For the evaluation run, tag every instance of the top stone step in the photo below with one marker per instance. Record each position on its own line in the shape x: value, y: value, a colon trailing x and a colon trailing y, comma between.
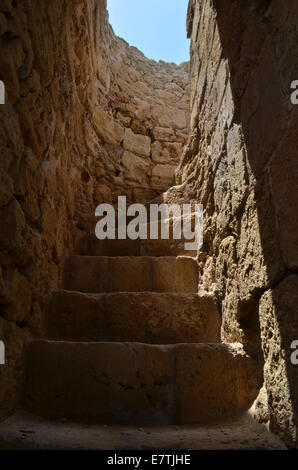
x: 89, y: 245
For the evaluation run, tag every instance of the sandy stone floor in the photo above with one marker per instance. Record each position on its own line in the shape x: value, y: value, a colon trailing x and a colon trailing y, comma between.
x: 26, y: 431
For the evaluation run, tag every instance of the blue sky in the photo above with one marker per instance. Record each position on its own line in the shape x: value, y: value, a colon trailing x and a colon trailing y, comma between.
x: 156, y: 27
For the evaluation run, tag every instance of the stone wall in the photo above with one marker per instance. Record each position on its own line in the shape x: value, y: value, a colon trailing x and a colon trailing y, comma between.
x: 241, y: 163
x: 86, y: 118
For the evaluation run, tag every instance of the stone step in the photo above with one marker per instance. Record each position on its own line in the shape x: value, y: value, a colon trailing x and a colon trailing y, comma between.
x: 89, y: 245
x: 145, y: 317
x: 135, y: 383
x: 94, y: 274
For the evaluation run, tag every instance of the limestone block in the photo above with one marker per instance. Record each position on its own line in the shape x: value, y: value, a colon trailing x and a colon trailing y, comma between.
x: 62, y: 133
x: 17, y: 296
x: 154, y: 385
x: 229, y: 390
x: 263, y: 111
x: 3, y: 24
x: 43, y: 41
x: 6, y: 188
x: 146, y: 317
x: 139, y: 107
x: 279, y: 328
x: 93, y: 274
x: 238, y: 174
x: 13, y: 219
x: 174, y: 88
x: 86, y: 274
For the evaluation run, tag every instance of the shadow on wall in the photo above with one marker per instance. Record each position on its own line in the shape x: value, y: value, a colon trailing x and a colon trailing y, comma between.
x: 259, y: 40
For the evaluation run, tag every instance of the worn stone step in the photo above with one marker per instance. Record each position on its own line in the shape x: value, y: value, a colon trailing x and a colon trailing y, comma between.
x: 95, y: 274
x: 165, y: 248
x: 146, y: 317
x: 89, y: 245
x: 243, y: 433
x: 135, y: 383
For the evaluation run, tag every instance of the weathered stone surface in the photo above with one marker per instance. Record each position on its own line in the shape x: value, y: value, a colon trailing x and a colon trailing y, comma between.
x: 89, y: 245
x: 144, y: 317
x: 90, y: 385
x: 78, y: 99
x: 166, y: 152
x: 12, y: 372
x: 203, y: 396
x: 155, y: 384
x: 137, y: 168
x: 240, y: 163
x: 82, y: 125
x: 243, y: 433
x: 162, y: 175
x: 169, y: 117
x: 139, y: 144
x: 283, y: 172
x: 279, y: 327
x: 131, y: 274
x: 108, y: 129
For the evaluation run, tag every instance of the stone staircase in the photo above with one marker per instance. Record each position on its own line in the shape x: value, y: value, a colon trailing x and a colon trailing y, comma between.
x: 130, y: 341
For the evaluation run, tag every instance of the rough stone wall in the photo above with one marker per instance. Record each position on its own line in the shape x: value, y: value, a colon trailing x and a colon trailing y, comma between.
x: 86, y: 118
x: 241, y: 163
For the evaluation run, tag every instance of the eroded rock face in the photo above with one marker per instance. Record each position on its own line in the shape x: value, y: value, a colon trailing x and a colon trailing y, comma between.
x: 86, y: 118
x: 240, y: 162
